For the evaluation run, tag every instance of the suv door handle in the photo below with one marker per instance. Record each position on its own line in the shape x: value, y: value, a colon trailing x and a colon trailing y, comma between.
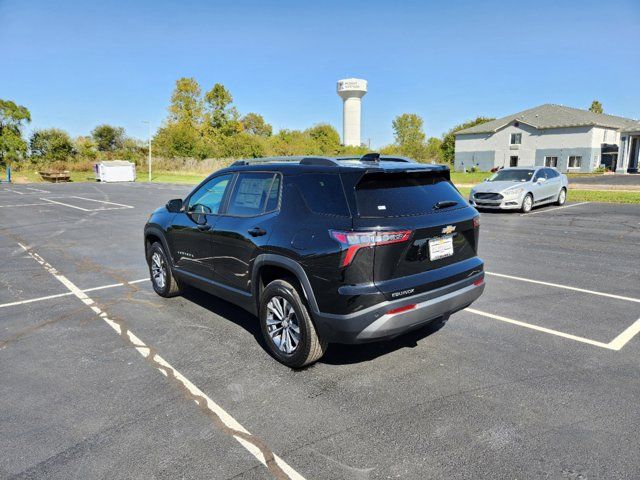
x: 257, y: 232
x: 204, y: 228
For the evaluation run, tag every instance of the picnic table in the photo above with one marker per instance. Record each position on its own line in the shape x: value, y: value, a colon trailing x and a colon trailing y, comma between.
x: 55, y: 176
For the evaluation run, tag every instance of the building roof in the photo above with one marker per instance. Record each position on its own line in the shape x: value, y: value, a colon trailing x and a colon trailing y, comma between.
x: 555, y: 116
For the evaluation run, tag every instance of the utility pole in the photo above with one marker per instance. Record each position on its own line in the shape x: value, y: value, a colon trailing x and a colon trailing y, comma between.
x: 149, y: 161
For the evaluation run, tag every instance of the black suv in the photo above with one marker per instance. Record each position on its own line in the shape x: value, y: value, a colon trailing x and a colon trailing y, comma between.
x: 322, y: 250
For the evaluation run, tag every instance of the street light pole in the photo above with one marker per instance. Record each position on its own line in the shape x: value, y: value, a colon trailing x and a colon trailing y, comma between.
x: 149, y: 161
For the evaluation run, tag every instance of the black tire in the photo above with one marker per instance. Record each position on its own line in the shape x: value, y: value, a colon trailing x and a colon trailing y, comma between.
x: 310, y: 347
x: 527, y: 205
x: 170, y: 287
x: 562, y: 197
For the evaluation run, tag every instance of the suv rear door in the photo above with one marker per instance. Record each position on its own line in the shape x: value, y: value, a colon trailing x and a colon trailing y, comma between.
x: 245, y: 226
x: 440, y: 227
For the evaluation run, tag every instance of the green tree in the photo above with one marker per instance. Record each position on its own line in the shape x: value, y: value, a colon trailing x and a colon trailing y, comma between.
x: 433, y: 150
x: 180, y: 140
x: 409, y: 135
x: 186, y: 103
x: 293, y: 142
x: 85, y: 148
x: 219, y: 114
x: 254, y: 124
x: 51, y: 144
x: 448, y: 146
x: 243, y: 145
x: 325, y: 137
x: 596, y: 107
x: 12, y: 118
x: 108, y: 138
x: 407, y: 129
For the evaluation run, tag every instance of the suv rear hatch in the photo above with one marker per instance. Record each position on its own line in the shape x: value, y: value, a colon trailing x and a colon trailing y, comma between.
x: 427, y: 233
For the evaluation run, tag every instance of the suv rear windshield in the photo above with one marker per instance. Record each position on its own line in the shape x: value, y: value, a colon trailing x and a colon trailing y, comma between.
x: 404, y: 194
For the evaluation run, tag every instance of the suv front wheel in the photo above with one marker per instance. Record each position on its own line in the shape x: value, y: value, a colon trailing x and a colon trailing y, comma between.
x: 162, y: 279
x: 287, y: 327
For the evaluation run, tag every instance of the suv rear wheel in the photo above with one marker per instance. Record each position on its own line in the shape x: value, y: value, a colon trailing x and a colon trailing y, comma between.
x: 162, y: 279
x: 287, y: 327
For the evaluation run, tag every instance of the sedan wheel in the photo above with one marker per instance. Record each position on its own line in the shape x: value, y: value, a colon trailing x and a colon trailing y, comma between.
x: 527, y: 203
x: 562, y: 197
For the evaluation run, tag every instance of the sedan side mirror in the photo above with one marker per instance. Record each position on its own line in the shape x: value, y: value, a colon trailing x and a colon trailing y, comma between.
x: 175, y: 205
x: 542, y: 180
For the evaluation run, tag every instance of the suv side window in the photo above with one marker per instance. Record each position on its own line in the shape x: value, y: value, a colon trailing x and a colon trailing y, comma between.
x: 208, y: 198
x: 254, y: 193
x: 323, y: 193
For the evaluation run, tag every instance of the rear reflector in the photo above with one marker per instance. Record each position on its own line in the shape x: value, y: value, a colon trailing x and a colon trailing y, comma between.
x: 406, y: 308
x: 354, y: 241
x: 476, y: 221
x: 479, y: 282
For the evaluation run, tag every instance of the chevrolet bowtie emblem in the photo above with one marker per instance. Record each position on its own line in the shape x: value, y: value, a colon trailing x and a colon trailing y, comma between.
x: 448, y: 229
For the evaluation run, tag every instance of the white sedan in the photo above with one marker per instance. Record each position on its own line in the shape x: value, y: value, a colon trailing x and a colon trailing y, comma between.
x: 520, y: 189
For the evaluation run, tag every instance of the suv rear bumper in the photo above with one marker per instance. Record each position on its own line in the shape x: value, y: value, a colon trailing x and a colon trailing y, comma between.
x: 375, y: 323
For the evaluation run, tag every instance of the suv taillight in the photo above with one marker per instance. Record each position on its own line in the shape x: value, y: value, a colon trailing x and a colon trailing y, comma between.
x: 354, y: 241
x: 476, y: 222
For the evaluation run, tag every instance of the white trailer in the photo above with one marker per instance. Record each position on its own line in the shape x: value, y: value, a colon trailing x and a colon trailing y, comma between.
x: 115, y: 171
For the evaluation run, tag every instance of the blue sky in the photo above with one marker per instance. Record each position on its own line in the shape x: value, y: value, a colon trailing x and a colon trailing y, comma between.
x: 76, y: 64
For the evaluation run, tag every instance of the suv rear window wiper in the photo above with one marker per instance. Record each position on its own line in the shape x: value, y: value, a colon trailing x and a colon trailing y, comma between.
x: 445, y: 204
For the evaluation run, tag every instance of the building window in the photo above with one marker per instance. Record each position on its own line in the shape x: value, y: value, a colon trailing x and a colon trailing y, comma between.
x: 575, y: 161
x: 550, y: 161
x: 513, y: 161
x: 516, y: 138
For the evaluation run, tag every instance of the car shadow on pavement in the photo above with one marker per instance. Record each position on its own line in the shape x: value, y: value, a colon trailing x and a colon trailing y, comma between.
x: 336, y: 354
x: 228, y: 311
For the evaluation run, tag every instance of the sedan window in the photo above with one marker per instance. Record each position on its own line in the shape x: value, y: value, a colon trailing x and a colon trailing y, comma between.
x: 519, y: 175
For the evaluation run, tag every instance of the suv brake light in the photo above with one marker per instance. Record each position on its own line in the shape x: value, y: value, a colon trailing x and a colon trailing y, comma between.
x: 354, y: 241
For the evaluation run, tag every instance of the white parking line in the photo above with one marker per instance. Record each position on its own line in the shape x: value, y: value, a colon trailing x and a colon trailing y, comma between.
x: 552, y: 209
x: 66, y: 294
x: 119, y: 206
x: 102, y: 201
x: 66, y: 204
x: 616, y: 344
x: 23, y: 205
x: 566, y: 287
x: 37, y: 190
x: 14, y: 191
x: 278, y: 467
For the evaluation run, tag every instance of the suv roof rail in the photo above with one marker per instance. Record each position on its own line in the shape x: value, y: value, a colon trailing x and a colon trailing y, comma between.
x: 302, y: 160
x: 376, y: 157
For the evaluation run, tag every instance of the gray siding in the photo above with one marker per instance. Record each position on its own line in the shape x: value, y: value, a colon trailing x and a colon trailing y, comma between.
x: 588, y: 157
x: 483, y: 160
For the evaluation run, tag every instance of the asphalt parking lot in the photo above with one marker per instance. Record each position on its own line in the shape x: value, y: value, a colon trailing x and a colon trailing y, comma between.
x: 101, y: 378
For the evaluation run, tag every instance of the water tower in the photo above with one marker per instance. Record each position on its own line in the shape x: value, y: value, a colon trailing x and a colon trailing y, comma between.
x: 351, y: 90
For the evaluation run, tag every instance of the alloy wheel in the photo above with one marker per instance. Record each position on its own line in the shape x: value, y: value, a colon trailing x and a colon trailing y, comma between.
x: 158, y: 270
x: 282, y: 325
x: 563, y: 196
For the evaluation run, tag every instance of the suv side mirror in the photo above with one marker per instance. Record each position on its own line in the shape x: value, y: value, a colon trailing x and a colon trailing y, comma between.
x: 175, y: 205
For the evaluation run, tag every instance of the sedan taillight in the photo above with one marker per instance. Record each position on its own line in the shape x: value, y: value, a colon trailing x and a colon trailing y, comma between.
x: 354, y: 241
